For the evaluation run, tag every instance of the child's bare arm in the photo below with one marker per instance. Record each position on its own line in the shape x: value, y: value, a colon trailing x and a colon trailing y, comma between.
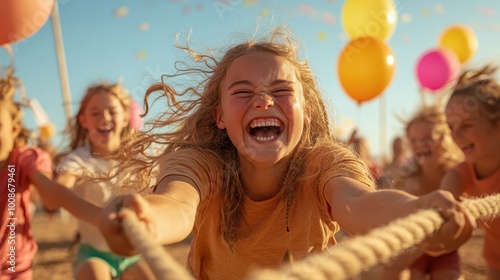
x: 453, y: 183
x: 169, y: 214
x: 359, y: 209
x: 55, y: 195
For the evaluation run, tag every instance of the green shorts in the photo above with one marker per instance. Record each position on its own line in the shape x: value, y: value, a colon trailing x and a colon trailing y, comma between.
x: 117, y: 264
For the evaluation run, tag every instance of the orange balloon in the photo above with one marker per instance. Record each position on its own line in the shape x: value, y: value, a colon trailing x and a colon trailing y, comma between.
x: 21, y: 19
x: 365, y: 68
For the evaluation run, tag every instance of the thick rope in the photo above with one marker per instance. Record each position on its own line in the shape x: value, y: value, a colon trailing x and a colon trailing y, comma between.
x: 346, y: 259
x: 354, y: 255
x: 162, y: 264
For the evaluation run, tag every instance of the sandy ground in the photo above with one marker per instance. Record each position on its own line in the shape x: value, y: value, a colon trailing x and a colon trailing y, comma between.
x: 55, y: 236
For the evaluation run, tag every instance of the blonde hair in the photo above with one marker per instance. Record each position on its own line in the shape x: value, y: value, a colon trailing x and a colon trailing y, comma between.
x: 483, y: 90
x: 8, y: 87
x: 190, y: 116
x: 433, y: 115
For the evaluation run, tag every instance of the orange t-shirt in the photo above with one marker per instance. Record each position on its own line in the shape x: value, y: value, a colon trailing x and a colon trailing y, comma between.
x: 262, y: 235
x: 17, y: 245
x: 475, y: 187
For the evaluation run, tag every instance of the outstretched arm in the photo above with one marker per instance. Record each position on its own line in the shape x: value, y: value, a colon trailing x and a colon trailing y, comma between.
x: 55, y: 195
x: 168, y: 214
x: 358, y: 209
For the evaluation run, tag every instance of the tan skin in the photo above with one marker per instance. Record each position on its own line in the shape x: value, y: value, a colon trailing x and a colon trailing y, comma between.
x: 478, y: 137
x: 176, y: 199
x: 53, y: 195
x: 426, y: 147
x: 104, y: 112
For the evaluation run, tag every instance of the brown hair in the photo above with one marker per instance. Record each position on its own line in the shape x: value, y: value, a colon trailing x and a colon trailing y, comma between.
x: 192, y: 125
x: 78, y: 134
x: 481, y: 89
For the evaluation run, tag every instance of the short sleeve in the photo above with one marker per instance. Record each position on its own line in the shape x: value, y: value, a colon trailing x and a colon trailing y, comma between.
x: 326, y: 163
x: 71, y: 164
x: 34, y: 159
x: 201, y: 168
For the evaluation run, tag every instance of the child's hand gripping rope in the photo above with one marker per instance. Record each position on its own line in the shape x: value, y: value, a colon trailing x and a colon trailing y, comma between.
x: 360, y: 253
x: 130, y: 226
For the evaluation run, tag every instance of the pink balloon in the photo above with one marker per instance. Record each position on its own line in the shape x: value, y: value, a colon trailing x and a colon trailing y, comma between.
x: 135, y: 118
x: 437, y: 67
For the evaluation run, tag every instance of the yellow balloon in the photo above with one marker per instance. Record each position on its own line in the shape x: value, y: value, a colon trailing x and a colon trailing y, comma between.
x: 461, y: 39
x: 365, y: 68
x: 47, y: 131
x: 369, y: 18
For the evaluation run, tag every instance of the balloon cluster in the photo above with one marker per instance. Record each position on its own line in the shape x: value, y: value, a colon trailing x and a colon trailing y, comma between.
x: 438, y: 66
x: 366, y: 64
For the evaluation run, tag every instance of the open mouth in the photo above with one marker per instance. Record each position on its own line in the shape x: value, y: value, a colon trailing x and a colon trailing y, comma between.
x: 105, y: 132
x: 265, y: 130
x: 467, y: 148
x: 105, y: 128
x: 424, y: 154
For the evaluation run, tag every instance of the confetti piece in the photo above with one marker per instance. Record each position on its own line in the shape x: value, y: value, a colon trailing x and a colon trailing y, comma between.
x: 329, y: 18
x: 406, y: 18
x: 307, y: 9
x: 487, y: 12
x: 249, y: 3
x: 425, y: 12
x: 322, y: 36
x: 264, y: 13
x: 142, y: 55
x: 144, y: 26
x: 121, y: 12
x: 199, y: 7
x: 186, y: 9
x: 439, y: 8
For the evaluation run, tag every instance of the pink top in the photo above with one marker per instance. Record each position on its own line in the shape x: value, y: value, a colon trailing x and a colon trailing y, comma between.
x: 474, y: 187
x: 17, y: 246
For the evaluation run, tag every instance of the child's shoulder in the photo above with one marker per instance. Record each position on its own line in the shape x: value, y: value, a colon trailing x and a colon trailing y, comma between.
x: 81, y: 152
x: 27, y: 153
x: 30, y: 158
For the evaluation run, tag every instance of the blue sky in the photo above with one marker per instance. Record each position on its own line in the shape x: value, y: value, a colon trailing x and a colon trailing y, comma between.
x: 108, y: 39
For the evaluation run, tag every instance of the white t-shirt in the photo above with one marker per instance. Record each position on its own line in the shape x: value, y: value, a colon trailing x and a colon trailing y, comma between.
x: 84, y: 165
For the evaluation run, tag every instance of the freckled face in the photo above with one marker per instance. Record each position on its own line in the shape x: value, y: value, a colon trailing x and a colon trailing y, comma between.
x: 262, y: 107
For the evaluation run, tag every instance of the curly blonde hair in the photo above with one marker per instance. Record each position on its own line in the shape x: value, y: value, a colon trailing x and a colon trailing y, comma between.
x: 191, y: 124
x: 8, y: 87
x: 433, y: 115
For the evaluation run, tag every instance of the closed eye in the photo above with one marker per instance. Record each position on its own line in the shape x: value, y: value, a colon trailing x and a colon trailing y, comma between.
x: 282, y: 91
x: 242, y: 91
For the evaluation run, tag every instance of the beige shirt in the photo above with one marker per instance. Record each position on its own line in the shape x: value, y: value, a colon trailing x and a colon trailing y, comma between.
x: 262, y: 232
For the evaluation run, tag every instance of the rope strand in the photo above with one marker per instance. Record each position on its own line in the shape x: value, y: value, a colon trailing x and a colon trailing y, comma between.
x: 162, y: 264
x: 346, y: 259
x: 357, y: 254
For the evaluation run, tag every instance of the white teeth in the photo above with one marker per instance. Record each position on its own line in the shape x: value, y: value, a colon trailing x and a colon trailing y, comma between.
x: 268, y: 122
x: 265, y: 138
